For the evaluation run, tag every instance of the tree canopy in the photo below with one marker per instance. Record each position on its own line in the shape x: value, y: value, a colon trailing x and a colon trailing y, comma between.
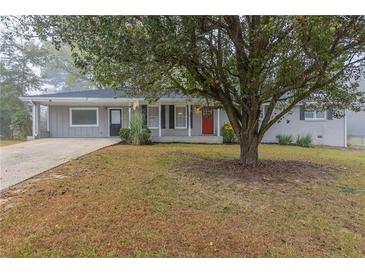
x: 241, y: 62
x: 29, y: 65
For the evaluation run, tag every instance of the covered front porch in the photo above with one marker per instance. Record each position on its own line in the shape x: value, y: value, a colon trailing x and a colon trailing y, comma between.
x: 169, y: 121
x: 183, y: 122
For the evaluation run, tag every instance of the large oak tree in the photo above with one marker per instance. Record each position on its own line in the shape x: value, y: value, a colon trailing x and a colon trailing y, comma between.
x: 239, y: 62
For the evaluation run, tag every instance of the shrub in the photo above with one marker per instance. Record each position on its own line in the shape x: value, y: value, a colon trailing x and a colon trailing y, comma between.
x: 228, y: 133
x: 284, y: 139
x: 146, y: 136
x: 139, y: 135
x: 125, y: 135
x: 136, y: 128
x: 305, y: 140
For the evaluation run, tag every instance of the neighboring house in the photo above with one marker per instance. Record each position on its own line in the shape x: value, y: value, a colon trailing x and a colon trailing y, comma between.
x: 356, y: 128
x: 356, y: 122
x: 174, y: 118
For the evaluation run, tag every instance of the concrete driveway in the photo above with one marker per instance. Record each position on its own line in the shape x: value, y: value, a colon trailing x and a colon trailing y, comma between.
x: 25, y: 160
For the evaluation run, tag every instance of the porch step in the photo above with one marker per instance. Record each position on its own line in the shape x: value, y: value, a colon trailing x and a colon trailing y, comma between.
x: 189, y: 139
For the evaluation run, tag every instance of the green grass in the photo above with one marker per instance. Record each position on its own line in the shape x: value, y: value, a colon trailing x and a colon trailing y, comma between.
x: 185, y: 200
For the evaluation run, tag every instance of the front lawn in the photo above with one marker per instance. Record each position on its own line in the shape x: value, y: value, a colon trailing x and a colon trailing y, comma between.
x: 181, y: 200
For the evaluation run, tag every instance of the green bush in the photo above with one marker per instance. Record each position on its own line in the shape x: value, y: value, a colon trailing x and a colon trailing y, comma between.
x: 139, y: 135
x: 125, y: 135
x: 284, y: 139
x: 146, y: 136
x: 228, y: 133
x: 305, y: 140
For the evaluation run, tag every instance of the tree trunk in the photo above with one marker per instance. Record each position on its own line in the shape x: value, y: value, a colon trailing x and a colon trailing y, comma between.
x: 249, y: 150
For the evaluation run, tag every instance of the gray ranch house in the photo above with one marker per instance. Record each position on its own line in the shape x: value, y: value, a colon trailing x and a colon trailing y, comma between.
x: 174, y: 118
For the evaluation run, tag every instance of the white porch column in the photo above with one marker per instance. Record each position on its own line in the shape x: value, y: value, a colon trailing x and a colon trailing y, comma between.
x: 35, y: 120
x: 189, y: 120
x: 129, y: 115
x: 218, y: 122
x: 159, y: 120
x: 47, y: 118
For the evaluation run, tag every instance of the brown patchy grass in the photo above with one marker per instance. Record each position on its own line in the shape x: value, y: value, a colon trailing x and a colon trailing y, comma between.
x: 190, y: 201
x: 4, y: 143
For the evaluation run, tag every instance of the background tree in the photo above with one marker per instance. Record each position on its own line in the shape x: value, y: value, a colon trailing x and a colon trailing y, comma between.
x: 60, y: 73
x: 18, y: 59
x: 28, y: 65
x: 241, y: 62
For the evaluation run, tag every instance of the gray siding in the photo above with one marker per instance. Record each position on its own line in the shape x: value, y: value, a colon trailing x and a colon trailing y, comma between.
x: 59, y: 123
x: 356, y: 123
x: 328, y: 132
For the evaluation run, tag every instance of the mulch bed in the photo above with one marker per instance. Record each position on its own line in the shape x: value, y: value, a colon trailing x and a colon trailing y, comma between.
x: 267, y: 171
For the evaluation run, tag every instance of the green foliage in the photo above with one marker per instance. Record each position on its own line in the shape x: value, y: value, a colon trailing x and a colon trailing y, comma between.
x: 139, y: 135
x: 136, y: 128
x: 15, y: 120
x: 305, y: 140
x: 239, y: 62
x: 284, y: 139
x: 228, y: 133
x: 28, y: 65
x: 125, y: 135
x: 19, y: 58
x: 20, y: 124
x: 146, y: 136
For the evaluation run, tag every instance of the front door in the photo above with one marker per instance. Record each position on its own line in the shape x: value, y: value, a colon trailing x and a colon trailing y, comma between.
x: 115, y: 121
x: 207, y: 120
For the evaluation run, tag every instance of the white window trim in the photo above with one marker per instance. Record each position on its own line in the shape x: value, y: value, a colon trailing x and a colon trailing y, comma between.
x: 186, y: 117
x: 148, y: 115
x: 84, y: 108
x: 315, y: 118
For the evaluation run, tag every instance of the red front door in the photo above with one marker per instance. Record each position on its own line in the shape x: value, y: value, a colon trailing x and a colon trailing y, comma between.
x: 207, y: 120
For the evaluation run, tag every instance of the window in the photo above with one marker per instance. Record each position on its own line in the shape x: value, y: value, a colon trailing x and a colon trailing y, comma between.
x: 262, y: 113
x: 84, y: 117
x: 314, y: 115
x: 180, y: 117
x: 152, y: 117
x: 115, y: 116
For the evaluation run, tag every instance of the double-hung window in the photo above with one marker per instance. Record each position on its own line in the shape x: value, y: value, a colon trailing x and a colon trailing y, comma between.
x: 152, y: 117
x: 314, y: 115
x: 180, y: 117
x: 84, y: 117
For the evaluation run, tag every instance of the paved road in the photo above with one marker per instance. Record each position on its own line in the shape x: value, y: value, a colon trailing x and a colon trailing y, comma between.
x: 25, y: 160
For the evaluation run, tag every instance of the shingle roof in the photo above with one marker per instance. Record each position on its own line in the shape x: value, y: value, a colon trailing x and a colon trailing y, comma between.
x: 99, y: 93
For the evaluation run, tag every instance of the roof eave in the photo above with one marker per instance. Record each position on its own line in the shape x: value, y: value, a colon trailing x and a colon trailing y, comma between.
x: 95, y: 100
